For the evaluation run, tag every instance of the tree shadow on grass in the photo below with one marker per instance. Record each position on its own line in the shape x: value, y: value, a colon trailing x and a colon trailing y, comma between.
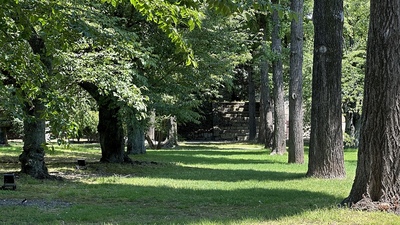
x: 218, y: 157
x: 183, y: 206
x: 226, y: 175
x: 143, y: 204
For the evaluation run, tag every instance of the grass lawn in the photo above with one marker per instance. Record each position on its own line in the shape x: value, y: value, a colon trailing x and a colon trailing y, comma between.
x: 192, y: 184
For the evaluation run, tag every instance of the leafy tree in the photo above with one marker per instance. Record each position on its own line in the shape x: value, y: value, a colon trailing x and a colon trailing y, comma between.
x: 326, y: 143
x: 377, y: 176
x: 28, y: 67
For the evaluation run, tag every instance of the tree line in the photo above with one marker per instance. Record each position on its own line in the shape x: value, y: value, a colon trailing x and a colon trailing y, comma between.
x: 130, y: 60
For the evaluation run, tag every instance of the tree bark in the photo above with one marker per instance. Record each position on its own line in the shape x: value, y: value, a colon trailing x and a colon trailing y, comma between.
x: 110, y: 127
x: 279, y: 101
x: 266, y: 128
x: 296, y: 143
x: 32, y: 157
x: 136, y: 138
x: 326, y: 140
x: 378, y: 165
x: 111, y: 132
x: 172, y: 138
x: 252, y: 104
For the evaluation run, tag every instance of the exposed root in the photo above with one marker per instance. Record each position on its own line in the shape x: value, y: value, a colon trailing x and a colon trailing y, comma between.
x: 366, y: 204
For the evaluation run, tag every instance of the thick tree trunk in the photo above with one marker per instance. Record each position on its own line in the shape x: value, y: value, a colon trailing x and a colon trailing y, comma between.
x: 136, y: 138
x: 252, y: 104
x: 279, y: 101
x: 296, y: 143
x: 111, y: 132
x: 110, y: 127
x: 32, y: 157
x: 326, y: 140
x: 377, y: 174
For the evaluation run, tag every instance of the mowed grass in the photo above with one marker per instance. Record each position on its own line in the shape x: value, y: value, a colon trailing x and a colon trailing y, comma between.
x: 192, y: 184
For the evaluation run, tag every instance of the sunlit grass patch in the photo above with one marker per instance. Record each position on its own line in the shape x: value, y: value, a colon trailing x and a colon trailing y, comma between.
x: 193, y: 184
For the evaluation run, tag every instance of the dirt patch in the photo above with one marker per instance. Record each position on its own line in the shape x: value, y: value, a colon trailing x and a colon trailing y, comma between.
x: 366, y: 204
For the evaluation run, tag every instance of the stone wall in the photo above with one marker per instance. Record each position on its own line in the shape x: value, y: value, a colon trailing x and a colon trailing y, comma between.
x: 231, y: 121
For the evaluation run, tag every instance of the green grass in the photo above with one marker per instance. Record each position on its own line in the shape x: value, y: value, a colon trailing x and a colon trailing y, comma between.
x: 193, y: 184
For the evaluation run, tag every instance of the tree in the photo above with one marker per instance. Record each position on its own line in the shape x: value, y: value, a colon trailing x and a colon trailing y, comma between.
x: 355, y: 33
x: 136, y: 136
x: 296, y: 142
x: 279, y: 146
x: 5, y: 124
x: 27, y: 66
x: 252, y: 103
x: 326, y: 141
x: 377, y: 176
x: 265, y: 134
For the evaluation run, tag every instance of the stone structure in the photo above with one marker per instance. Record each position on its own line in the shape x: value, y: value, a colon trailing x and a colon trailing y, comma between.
x: 231, y: 121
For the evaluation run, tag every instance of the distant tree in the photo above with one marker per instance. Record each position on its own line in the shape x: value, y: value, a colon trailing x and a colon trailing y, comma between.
x: 5, y: 124
x: 377, y: 174
x: 326, y: 158
x: 252, y: 103
x: 296, y: 139
x: 279, y: 146
x: 136, y: 136
x: 265, y: 135
x: 355, y: 33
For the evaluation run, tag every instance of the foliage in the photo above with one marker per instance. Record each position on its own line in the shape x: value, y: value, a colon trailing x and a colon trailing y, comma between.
x: 355, y: 33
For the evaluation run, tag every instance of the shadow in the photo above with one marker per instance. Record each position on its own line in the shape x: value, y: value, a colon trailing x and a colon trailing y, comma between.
x: 135, y: 204
x: 225, y: 175
x: 203, y: 156
x: 216, y: 145
x: 222, y: 206
x: 178, y: 195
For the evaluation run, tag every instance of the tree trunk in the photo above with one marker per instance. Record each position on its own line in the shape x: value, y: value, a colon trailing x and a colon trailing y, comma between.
x: 252, y: 104
x: 3, y: 136
x: 110, y: 127
x: 377, y: 174
x: 266, y: 128
x: 5, y: 124
x: 172, y: 138
x: 296, y: 143
x: 111, y: 132
x: 357, y: 128
x: 326, y: 139
x: 32, y: 157
x: 279, y: 101
x: 136, y: 138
